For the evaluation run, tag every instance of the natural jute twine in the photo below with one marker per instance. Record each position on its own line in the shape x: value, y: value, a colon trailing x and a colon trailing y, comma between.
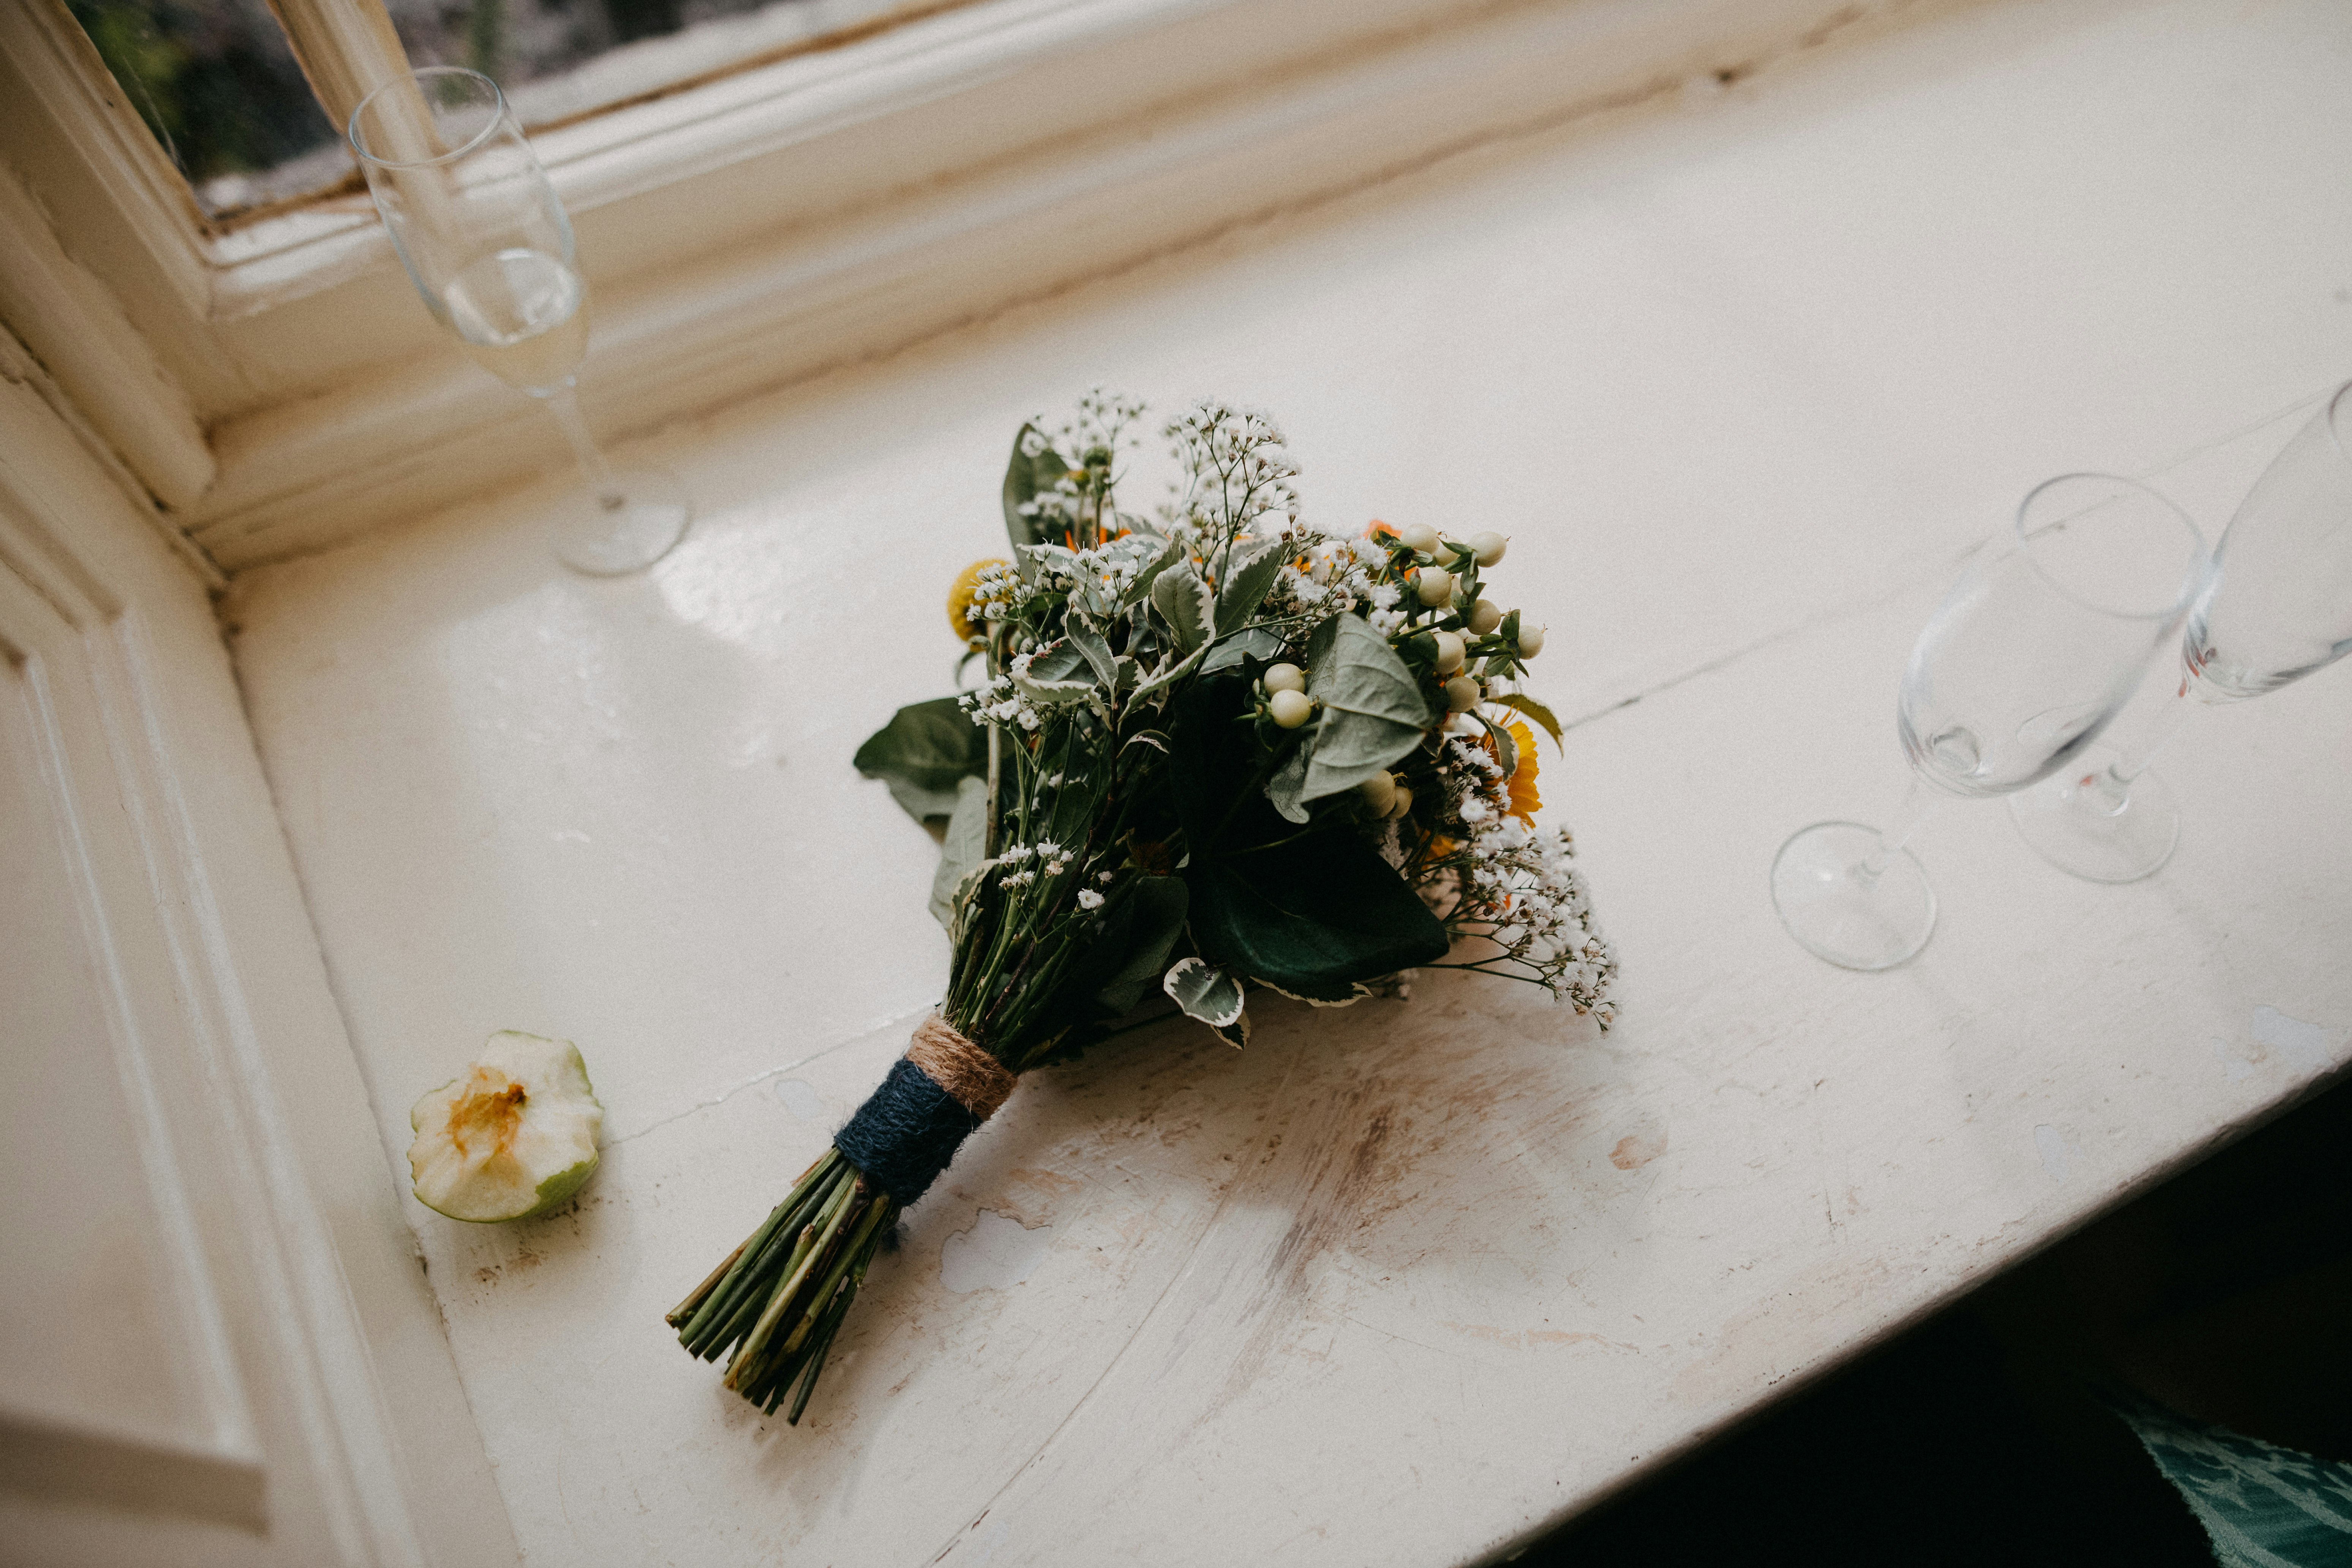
x: 980, y: 1083
x: 934, y: 1097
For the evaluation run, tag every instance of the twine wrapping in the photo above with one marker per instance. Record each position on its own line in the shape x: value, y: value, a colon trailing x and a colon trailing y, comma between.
x: 934, y: 1097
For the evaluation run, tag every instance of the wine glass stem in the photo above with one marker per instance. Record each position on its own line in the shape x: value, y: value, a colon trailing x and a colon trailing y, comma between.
x: 563, y: 403
x: 1916, y: 805
x: 2111, y: 787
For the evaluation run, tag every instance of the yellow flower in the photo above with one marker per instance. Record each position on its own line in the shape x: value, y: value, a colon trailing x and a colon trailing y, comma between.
x: 1525, y: 802
x: 960, y: 603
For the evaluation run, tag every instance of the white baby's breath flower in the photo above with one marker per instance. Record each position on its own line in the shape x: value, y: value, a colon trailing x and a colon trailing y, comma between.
x: 1090, y: 899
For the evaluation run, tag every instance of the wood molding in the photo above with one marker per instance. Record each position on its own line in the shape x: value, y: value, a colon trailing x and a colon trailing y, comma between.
x: 80, y: 335
x: 303, y: 1340
x: 1239, y: 118
x: 62, y: 1462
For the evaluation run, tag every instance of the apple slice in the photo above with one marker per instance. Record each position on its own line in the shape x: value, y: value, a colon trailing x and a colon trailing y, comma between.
x: 513, y: 1138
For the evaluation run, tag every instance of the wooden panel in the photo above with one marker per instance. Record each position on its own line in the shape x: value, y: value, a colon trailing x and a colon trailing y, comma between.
x: 120, y: 1356
x: 187, y: 1216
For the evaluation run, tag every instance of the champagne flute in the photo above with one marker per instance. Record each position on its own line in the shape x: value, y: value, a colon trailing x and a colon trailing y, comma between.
x: 2277, y: 607
x: 2044, y: 636
x: 489, y: 248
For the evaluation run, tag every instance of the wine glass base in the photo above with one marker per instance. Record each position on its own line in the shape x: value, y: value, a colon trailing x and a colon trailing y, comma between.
x: 1836, y: 912
x: 611, y: 541
x: 2070, y: 822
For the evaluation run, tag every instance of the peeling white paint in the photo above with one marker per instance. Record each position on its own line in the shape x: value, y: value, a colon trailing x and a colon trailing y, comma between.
x: 2237, y: 1064
x: 2057, y: 1154
x: 2307, y: 1046
x: 997, y: 1253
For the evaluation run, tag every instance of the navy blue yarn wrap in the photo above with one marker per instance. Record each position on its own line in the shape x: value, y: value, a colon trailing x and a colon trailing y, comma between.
x: 906, y: 1132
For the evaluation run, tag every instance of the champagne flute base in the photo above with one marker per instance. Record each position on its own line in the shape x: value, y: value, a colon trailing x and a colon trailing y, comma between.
x: 2099, y: 832
x: 603, y: 539
x: 1839, y: 909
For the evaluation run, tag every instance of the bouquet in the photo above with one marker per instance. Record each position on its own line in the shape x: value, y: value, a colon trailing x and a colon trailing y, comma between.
x: 1217, y: 751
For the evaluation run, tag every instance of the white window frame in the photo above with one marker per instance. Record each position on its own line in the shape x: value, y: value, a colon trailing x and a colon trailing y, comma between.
x: 753, y: 229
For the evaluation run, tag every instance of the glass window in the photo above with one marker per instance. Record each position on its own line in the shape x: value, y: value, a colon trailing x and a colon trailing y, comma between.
x: 559, y: 59
x: 216, y: 84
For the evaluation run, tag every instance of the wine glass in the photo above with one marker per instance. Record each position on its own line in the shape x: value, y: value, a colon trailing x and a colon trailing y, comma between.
x: 2277, y: 607
x: 488, y: 245
x: 2044, y: 636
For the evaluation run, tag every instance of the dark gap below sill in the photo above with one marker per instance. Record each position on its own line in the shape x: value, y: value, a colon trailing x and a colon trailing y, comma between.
x: 1978, y: 1439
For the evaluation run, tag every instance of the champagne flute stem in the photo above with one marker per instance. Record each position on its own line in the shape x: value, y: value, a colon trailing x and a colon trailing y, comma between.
x: 563, y: 403
x: 2135, y: 757
x: 1917, y: 803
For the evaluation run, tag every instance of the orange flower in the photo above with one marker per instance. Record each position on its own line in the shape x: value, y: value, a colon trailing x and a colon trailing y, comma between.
x: 1375, y: 528
x: 959, y: 598
x: 1521, y: 785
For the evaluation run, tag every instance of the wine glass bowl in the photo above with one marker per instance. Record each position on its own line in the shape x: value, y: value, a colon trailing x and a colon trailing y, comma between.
x: 2044, y: 636
x: 482, y: 234
x: 2276, y: 606
x: 2279, y: 604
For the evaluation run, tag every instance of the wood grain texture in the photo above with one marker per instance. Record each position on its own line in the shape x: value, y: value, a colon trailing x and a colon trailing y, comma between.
x: 1744, y: 376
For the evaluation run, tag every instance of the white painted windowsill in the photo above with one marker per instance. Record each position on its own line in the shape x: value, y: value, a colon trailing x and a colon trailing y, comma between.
x: 837, y: 205
x: 1744, y: 373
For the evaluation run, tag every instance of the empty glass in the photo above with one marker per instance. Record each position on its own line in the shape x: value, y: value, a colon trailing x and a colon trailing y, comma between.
x: 489, y: 248
x: 2044, y: 636
x: 2277, y: 605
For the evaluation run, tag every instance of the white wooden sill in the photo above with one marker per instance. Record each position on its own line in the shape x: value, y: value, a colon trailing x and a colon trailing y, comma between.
x: 1744, y: 373
x: 843, y: 203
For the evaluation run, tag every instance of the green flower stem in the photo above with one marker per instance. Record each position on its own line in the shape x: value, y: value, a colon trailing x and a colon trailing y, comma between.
x: 813, y: 1242
x: 740, y: 1307
x: 831, y: 1326
x: 698, y: 1314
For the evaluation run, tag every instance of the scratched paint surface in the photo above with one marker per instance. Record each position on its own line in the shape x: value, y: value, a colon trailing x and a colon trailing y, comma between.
x: 1743, y: 375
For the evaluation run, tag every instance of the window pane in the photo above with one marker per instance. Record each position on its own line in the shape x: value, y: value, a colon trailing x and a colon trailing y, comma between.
x: 216, y: 84
x: 557, y: 58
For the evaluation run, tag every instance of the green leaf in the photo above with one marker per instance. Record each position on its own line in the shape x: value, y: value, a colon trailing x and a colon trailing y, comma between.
x: 1284, y: 788
x: 1246, y: 587
x: 1157, y: 920
x: 1183, y: 601
x: 922, y: 754
x: 1095, y: 652
x: 1251, y: 642
x: 1169, y: 674
x: 964, y: 847
x: 1536, y: 711
x: 1312, y: 916
x: 1063, y: 662
x: 1507, y: 750
x: 1373, y: 711
x: 1165, y: 557
x: 1059, y: 675
x: 1208, y: 993
x: 1025, y: 475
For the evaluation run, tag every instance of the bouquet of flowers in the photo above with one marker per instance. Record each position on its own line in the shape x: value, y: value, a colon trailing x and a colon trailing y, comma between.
x: 1217, y: 751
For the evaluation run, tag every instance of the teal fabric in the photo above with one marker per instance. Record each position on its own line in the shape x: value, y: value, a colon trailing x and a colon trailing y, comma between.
x: 2262, y: 1506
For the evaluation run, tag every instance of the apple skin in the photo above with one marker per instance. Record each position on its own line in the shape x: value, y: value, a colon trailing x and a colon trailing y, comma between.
x: 513, y: 1137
